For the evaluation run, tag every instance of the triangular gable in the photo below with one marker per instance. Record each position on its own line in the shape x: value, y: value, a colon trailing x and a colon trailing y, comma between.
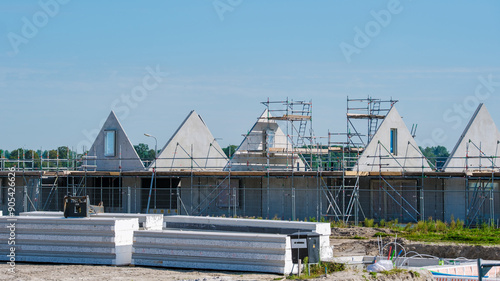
x: 192, y: 146
x: 400, y: 154
x: 120, y: 156
x: 251, y: 154
x: 479, y: 143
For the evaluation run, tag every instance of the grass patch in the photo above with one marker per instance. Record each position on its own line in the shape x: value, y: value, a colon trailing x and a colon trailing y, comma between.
x: 317, y: 270
x: 415, y: 274
x: 394, y: 271
x: 438, y: 231
x: 382, y: 234
x: 431, y: 230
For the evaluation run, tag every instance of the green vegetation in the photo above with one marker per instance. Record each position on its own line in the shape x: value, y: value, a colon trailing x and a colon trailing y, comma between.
x: 439, y: 231
x: 34, y: 159
x: 382, y: 234
x: 394, y: 271
x: 436, y: 155
x: 317, y: 270
x: 368, y: 222
x: 432, y: 231
x: 144, y: 152
x: 229, y: 150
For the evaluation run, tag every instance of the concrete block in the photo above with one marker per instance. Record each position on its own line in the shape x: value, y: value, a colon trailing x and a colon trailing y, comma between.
x: 213, y: 250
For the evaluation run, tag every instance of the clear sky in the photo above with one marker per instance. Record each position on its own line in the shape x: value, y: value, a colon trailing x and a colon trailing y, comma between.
x: 66, y: 64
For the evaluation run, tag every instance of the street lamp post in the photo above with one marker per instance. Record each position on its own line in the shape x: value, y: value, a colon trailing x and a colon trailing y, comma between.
x: 154, y: 172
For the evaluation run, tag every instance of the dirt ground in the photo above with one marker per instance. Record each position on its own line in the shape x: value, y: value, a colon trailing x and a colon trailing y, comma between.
x: 341, y: 239
x: 39, y: 272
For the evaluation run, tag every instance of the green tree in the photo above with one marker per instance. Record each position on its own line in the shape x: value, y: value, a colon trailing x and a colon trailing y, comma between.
x: 63, y: 152
x: 229, y: 150
x: 15, y: 153
x: 144, y: 152
x: 52, y: 154
x: 437, y: 155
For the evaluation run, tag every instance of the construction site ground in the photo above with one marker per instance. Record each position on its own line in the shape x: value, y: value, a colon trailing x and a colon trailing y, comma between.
x: 346, y: 242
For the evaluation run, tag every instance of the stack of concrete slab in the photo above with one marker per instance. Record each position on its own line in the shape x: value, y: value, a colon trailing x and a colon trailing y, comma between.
x: 255, y: 226
x: 213, y: 250
x: 94, y: 240
x: 146, y: 221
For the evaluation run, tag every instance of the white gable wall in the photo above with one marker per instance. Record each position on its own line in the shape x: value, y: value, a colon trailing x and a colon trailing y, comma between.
x: 483, y: 133
x: 125, y: 158
x: 408, y: 157
x: 192, y: 138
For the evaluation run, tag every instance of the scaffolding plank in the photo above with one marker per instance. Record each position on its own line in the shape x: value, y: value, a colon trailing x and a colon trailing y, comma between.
x: 290, y: 117
x: 364, y: 116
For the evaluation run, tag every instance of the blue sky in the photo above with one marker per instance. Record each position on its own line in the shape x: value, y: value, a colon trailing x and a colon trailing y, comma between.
x: 60, y: 78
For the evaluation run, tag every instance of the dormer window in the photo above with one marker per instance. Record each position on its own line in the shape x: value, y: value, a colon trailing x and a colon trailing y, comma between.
x: 109, y: 143
x: 394, y: 141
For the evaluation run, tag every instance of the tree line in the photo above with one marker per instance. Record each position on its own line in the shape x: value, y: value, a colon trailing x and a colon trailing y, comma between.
x: 437, y: 155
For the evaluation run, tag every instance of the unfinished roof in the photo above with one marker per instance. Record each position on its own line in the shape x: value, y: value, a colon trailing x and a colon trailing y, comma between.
x: 392, y: 148
x: 112, y: 149
x: 265, y: 135
x: 477, y: 148
x: 192, y: 146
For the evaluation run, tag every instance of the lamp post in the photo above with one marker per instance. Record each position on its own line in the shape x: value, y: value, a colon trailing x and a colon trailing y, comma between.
x: 154, y: 171
x: 156, y: 144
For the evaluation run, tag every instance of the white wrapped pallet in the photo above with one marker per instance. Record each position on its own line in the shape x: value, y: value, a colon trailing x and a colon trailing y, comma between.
x: 105, y: 241
x: 255, y: 226
x: 213, y: 250
x: 146, y: 221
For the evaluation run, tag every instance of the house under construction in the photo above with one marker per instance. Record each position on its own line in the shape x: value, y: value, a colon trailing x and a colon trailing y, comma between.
x: 281, y: 169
